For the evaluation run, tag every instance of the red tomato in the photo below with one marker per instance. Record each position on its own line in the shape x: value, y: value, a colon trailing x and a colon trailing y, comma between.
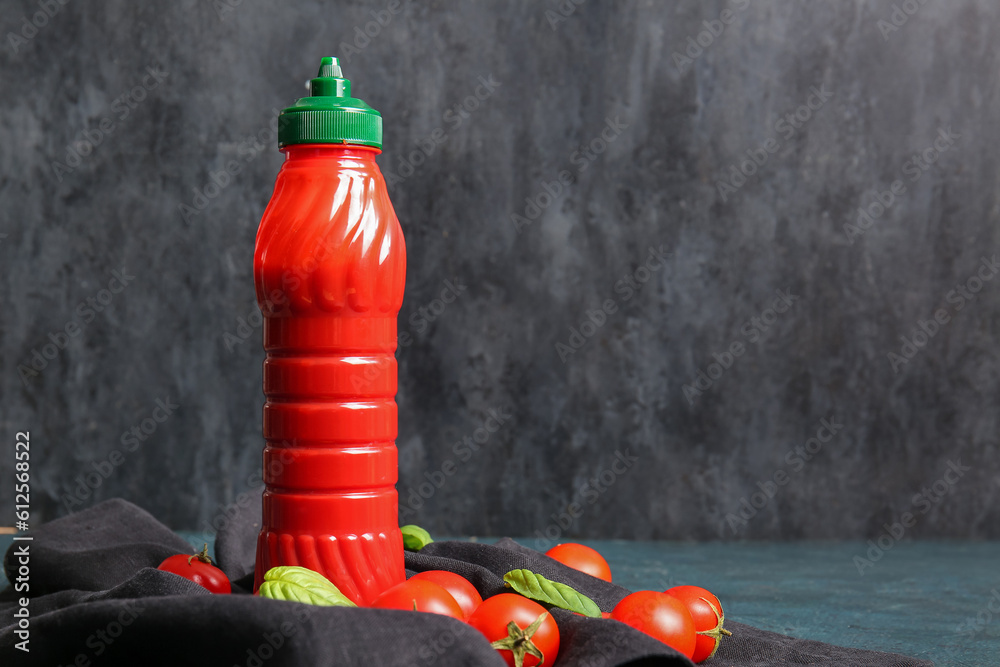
x: 199, y: 569
x: 660, y: 616
x: 708, y: 618
x: 465, y: 594
x: 493, y: 615
x: 419, y: 595
x: 581, y: 557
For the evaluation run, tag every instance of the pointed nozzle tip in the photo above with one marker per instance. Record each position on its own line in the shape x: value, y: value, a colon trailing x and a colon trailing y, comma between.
x: 330, y: 67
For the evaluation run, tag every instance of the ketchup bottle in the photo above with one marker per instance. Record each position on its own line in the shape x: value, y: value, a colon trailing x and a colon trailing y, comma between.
x: 329, y: 269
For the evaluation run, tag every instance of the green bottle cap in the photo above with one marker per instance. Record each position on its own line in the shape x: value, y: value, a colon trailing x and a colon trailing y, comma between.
x: 330, y: 115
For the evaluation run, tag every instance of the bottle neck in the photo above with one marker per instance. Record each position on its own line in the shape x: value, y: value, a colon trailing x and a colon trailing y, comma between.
x: 295, y: 152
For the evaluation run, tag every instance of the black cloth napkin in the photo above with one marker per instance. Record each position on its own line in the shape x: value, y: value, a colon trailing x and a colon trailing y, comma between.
x: 97, y: 599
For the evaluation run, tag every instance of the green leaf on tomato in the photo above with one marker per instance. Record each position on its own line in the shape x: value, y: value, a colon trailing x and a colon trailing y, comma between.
x: 415, y: 538
x: 299, y: 584
x: 537, y: 587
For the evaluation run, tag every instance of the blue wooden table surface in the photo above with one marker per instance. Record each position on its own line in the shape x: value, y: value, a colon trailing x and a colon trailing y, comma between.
x: 938, y: 601
x: 925, y: 599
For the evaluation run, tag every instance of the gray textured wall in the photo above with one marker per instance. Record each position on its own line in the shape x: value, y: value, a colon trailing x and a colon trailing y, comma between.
x: 115, y: 114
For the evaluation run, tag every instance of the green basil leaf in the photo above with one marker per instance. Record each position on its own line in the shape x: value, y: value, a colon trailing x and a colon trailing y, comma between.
x: 537, y: 587
x: 415, y: 538
x: 299, y: 584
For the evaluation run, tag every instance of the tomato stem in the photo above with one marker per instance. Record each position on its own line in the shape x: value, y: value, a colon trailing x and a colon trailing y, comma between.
x: 202, y: 555
x: 519, y: 642
x: 718, y: 632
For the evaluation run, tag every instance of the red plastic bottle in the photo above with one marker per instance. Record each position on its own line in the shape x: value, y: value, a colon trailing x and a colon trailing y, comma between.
x: 329, y: 268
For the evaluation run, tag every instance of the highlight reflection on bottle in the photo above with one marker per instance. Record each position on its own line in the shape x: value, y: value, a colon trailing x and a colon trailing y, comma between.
x: 329, y: 269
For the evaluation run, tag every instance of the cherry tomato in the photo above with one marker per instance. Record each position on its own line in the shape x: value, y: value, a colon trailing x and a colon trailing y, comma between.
x: 419, y: 595
x: 199, y: 569
x: 708, y: 618
x: 465, y: 594
x: 660, y: 616
x: 581, y: 557
x: 493, y: 615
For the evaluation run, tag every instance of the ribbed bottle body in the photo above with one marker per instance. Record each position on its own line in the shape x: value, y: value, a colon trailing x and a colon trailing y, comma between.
x: 329, y: 268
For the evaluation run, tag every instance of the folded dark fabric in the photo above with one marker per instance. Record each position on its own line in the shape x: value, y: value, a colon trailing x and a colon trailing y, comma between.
x: 96, y: 598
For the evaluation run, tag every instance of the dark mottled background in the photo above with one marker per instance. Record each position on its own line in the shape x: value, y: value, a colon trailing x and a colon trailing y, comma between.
x: 98, y: 155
